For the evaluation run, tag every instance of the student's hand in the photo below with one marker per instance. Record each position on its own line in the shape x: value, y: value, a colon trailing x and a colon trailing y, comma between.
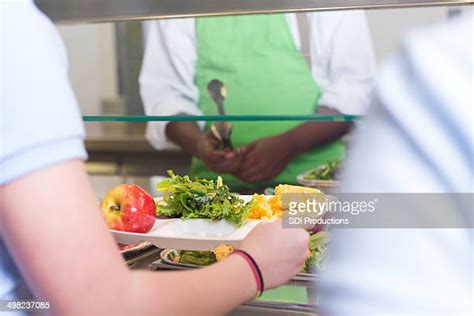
x: 264, y: 159
x: 280, y: 253
x: 220, y: 161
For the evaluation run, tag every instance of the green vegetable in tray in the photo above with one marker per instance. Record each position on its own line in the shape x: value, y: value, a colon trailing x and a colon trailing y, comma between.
x: 310, y: 265
x: 202, y: 258
x: 318, y: 240
x: 317, y: 246
x: 324, y: 172
x: 200, y: 198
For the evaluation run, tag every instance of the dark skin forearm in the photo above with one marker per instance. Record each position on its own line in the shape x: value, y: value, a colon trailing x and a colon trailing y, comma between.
x: 314, y: 134
x: 203, y: 146
x: 302, y: 138
x: 267, y: 157
x: 185, y: 134
x: 263, y: 159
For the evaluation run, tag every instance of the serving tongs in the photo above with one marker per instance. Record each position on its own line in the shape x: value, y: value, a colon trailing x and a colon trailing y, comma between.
x: 221, y: 130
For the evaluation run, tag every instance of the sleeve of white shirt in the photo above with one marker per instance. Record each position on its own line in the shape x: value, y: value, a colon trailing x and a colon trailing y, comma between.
x: 40, y: 122
x: 167, y: 75
x: 418, y: 138
x: 342, y: 58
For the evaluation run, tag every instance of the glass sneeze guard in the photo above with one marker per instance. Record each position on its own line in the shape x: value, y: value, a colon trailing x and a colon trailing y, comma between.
x: 232, y: 118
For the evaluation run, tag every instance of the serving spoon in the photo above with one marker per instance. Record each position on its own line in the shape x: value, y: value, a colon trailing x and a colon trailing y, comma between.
x: 220, y: 130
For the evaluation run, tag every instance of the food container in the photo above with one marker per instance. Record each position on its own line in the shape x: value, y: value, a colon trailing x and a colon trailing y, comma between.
x: 168, y: 255
x: 133, y: 253
x: 323, y: 185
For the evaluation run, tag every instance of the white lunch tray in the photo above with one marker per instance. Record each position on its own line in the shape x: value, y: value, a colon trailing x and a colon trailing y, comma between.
x: 190, y: 234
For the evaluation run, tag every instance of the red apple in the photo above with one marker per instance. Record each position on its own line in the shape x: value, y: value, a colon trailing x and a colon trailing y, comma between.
x: 128, y: 207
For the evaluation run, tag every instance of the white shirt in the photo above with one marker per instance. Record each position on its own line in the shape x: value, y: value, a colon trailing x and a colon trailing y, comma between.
x: 40, y: 122
x: 418, y: 137
x: 342, y: 64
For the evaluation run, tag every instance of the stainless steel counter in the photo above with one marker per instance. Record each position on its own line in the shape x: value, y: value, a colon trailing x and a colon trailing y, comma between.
x: 119, y: 153
x: 74, y: 11
x: 121, y: 149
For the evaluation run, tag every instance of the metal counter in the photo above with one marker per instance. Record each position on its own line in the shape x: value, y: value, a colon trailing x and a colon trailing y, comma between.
x: 121, y: 149
x: 74, y: 11
x: 293, y: 298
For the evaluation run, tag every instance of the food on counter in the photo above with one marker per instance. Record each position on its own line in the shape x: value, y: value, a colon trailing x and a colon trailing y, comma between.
x: 200, y: 258
x: 128, y: 207
x: 276, y: 202
x: 204, y: 258
x: 323, y: 172
x: 200, y: 198
x: 222, y: 251
x: 317, y: 247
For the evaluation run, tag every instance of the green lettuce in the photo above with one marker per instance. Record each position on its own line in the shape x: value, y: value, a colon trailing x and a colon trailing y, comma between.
x: 317, y: 246
x: 200, y: 198
x: 201, y: 258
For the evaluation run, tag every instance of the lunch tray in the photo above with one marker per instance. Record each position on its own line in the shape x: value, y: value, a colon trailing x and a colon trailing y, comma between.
x: 191, y: 234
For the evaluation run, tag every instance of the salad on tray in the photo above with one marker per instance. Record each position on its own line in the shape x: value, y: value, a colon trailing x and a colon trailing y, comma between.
x: 198, y: 214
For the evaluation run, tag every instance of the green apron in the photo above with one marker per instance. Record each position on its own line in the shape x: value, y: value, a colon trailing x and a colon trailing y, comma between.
x: 264, y: 73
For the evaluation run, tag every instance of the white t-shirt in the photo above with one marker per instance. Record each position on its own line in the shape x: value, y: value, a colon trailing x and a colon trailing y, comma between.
x: 40, y: 122
x: 418, y: 137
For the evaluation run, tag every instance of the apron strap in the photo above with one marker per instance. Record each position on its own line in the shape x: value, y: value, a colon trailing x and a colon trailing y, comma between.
x: 303, y: 28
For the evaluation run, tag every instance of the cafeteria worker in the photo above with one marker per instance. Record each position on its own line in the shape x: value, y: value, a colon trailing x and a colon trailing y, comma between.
x: 269, y: 67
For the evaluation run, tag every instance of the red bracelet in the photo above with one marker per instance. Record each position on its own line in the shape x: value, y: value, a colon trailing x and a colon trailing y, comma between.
x: 255, y: 270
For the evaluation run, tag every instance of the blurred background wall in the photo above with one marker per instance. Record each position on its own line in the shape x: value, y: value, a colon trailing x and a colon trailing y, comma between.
x: 93, y: 54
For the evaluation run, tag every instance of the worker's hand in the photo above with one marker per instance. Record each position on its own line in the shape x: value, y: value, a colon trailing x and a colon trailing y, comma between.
x: 220, y: 161
x: 279, y: 252
x: 264, y: 159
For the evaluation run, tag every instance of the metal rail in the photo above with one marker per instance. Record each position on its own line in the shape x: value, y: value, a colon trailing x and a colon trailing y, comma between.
x: 95, y: 11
